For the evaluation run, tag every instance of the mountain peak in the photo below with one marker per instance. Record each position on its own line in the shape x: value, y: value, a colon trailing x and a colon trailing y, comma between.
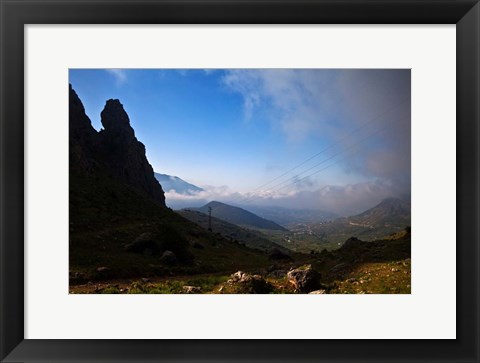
x: 114, y: 151
x: 394, y: 203
x: 239, y: 216
x: 388, y: 210
x: 176, y: 184
x: 217, y: 203
x: 115, y: 119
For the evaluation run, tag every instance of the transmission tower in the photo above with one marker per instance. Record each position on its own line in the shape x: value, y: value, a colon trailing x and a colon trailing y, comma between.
x: 210, y: 219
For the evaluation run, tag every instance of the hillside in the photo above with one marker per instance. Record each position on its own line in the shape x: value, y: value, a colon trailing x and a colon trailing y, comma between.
x: 238, y: 216
x: 119, y: 224
x: 176, y: 184
x: 389, y: 216
x: 253, y: 239
x: 389, y: 212
x: 359, y: 267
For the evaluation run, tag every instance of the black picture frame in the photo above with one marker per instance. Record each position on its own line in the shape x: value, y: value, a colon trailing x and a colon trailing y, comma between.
x: 17, y: 13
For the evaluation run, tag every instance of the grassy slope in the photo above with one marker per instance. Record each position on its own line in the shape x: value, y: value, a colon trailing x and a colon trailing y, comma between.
x: 239, y: 216
x: 381, y: 267
x: 230, y: 231
x: 105, y: 216
x: 327, y: 235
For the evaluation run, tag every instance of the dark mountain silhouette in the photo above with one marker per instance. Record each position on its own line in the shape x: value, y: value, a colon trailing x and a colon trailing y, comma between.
x: 238, y: 216
x: 114, y: 151
x: 179, y: 185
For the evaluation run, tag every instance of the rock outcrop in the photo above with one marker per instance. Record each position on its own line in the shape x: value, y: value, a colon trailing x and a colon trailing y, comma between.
x: 145, y: 244
x: 191, y: 289
x: 124, y: 155
x: 114, y: 151
x: 168, y: 258
x: 243, y: 283
x: 83, y: 138
x: 304, y: 279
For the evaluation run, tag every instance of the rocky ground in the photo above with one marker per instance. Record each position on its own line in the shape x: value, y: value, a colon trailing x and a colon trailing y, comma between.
x: 369, y: 278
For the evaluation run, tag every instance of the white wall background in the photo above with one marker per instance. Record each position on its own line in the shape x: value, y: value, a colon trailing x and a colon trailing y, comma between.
x: 429, y: 312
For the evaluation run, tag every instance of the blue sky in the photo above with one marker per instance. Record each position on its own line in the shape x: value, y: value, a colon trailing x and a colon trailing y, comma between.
x: 232, y: 131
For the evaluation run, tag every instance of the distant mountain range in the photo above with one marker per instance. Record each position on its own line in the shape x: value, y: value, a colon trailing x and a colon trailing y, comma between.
x: 389, y: 216
x: 389, y: 212
x: 238, y: 216
x: 180, y: 186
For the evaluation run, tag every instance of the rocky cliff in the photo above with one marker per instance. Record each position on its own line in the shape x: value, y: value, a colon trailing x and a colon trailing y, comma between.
x: 114, y: 151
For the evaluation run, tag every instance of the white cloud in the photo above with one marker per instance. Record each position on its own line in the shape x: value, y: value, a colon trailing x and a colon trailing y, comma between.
x: 366, y: 113
x: 198, y: 198
x: 120, y: 75
x: 295, y: 99
x: 344, y: 200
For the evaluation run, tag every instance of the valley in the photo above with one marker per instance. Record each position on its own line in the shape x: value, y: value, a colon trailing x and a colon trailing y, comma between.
x: 123, y: 238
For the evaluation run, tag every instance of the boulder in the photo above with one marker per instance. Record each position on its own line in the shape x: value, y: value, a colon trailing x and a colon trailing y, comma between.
x: 304, y: 279
x: 168, y: 258
x: 191, y: 289
x: 318, y: 292
x: 145, y: 244
x: 244, y: 283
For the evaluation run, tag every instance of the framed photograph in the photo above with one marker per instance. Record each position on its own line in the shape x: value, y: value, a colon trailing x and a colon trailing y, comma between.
x: 240, y: 181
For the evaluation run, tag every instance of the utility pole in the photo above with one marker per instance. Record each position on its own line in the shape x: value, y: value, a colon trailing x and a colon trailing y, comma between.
x: 210, y: 219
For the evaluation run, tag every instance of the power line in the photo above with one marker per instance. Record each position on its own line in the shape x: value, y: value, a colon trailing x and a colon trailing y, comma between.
x: 360, y: 127
x: 253, y: 198
x: 293, y: 180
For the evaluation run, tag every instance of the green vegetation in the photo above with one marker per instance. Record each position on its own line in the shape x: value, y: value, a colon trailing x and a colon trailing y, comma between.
x: 377, y: 278
x: 300, y: 241
x: 106, y: 217
x: 118, y: 241
x: 379, y: 267
x: 206, y: 284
